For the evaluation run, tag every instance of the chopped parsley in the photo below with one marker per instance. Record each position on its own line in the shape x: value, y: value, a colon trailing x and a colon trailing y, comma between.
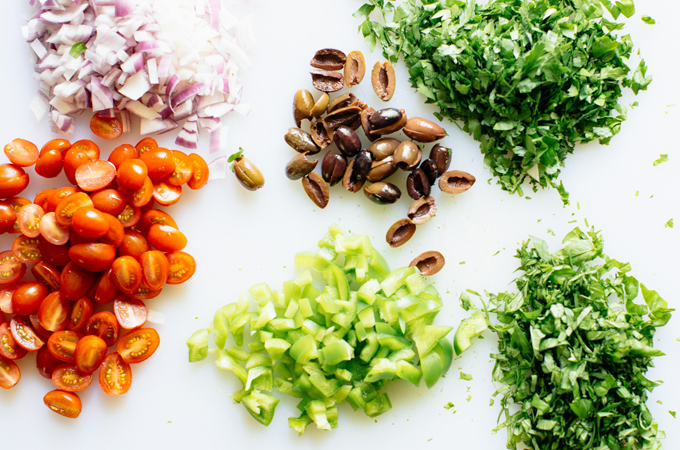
x: 662, y: 159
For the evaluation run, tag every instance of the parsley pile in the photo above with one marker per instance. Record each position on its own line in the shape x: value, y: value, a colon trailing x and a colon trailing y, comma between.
x: 527, y: 79
x: 573, y: 350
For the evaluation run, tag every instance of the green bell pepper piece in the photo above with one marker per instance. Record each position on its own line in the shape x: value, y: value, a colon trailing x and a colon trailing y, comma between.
x: 316, y: 409
x: 304, y: 349
x: 337, y: 352
x: 384, y: 369
x: 437, y: 362
x: 299, y: 424
x: 261, y: 406
x: 276, y: 347
x: 395, y: 280
x: 409, y: 372
x: 378, y: 405
x: 198, y: 345
x: 224, y: 361
x: 427, y: 336
x: 261, y: 293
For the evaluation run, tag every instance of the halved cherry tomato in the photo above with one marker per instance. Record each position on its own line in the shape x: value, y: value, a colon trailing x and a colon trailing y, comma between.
x: 201, y: 172
x: 130, y: 216
x: 27, y: 298
x: 62, y: 145
x: 69, y: 205
x: 104, y: 325
x: 74, y: 158
x: 49, y: 164
x: 56, y: 255
x: 126, y: 274
x: 11, y: 270
x: 7, y: 217
x: 13, y: 180
x: 25, y: 335
x: 28, y: 218
x: 116, y: 234
x: 94, y: 257
x: 67, y: 377
x: 26, y: 250
x: 132, y: 173
x: 106, y: 127
x: 62, y: 345
x: 115, y: 375
x: 8, y: 345
x: 54, y: 312
x: 22, y: 152
x: 109, y: 201
x: 43, y: 197
x: 35, y: 323
x: 58, y: 195
x: 166, y: 238
x: 154, y: 216
x: 159, y: 163
x: 105, y: 290
x: 155, y: 268
x: 138, y: 345
x: 64, y: 403
x: 90, y: 352
x: 80, y: 313
x: 121, y: 153
x: 95, y: 175
x: 6, y: 293
x: 2, y: 316
x: 184, y: 169
x: 143, y: 195
x: 9, y: 373
x: 87, y: 146
x: 182, y: 267
x: 76, y: 282
x: 46, y: 362
x: 166, y: 194
x: 144, y: 293
x: 134, y: 244
x: 130, y: 313
x: 89, y: 223
x: 53, y: 232
x: 17, y: 203
x: 145, y: 145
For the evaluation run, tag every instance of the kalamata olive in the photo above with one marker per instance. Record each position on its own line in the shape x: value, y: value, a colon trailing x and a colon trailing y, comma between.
x: 301, y: 141
x: 382, y: 193
x: 328, y: 59
x: 303, y: 102
x: 320, y: 134
x: 357, y: 170
x: 366, y: 124
x: 428, y: 263
x: 316, y: 189
x: 326, y: 81
x: 300, y: 166
x: 417, y: 185
x: 248, y: 174
x: 456, y: 181
x: 400, y: 232
x: 349, y: 116
x: 355, y: 68
x: 430, y: 168
x: 407, y: 155
x: 342, y: 101
x: 347, y: 141
x: 389, y: 129
x: 442, y: 158
x: 381, y: 169
x: 333, y: 168
x: 422, y: 210
x: 423, y: 130
x: 384, y: 117
x: 320, y: 106
x: 382, y: 148
x: 383, y: 80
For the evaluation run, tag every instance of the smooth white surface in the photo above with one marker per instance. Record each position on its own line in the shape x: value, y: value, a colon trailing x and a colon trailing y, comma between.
x: 240, y: 238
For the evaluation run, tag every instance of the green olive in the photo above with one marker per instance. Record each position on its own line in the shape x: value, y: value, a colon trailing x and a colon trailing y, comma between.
x: 303, y: 102
x: 248, y: 174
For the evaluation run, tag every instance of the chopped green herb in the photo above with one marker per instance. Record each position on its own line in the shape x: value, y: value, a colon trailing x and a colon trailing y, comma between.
x: 669, y: 224
x: 469, y: 397
x: 465, y: 376
x: 449, y: 405
x: 648, y: 20
x: 465, y: 302
x: 634, y: 105
x: 77, y: 49
x: 491, y: 402
x: 461, y: 263
x: 662, y: 159
x: 672, y: 413
x: 496, y: 253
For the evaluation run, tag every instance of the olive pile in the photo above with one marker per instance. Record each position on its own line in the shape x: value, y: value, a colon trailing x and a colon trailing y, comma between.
x: 335, y: 121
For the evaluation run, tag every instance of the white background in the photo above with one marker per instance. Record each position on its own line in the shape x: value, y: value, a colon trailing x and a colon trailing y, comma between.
x: 240, y: 238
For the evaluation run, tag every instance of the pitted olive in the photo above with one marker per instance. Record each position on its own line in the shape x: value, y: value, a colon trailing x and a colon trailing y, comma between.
x: 382, y: 193
x: 301, y: 141
x: 407, y: 155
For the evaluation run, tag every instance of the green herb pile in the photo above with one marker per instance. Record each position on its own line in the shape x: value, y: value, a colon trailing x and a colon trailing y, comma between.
x: 527, y: 79
x: 574, y: 348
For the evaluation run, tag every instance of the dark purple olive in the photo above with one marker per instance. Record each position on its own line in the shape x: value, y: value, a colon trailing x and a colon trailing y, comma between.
x: 430, y: 168
x: 347, y: 141
x: 441, y: 156
x: 333, y: 168
x: 417, y: 185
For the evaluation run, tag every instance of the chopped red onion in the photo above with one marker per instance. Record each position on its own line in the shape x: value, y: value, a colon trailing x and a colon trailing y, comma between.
x: 218, y: 168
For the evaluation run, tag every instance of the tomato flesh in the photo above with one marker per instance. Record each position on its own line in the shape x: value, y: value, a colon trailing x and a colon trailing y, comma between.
x: 56, y: 255
x: 145, y: 145
x: 80, y: 313
x: 121, y: 153
x: 130, y: 216
x: 53, y: 232
x: 104, y: 325
x: 29, y: 219
x: 126, y: 273
x: 68, y: 378
x: 9, y: 348
x: 54, y: 312
x: 50, y: 164
x: 6, y: 294
x: 89, y: 223
x: 155, y: 268
x: 109, y: 201
x: 62, y: 345
x: 95, y: 175
x: 105, y: 289
x: 130, y: 313
x: 201, y: 172
x: 26, y: 250
x: 10, y: 269
x: 69, y: 205
x: 24, y: 334
x: 64, y: 403
x: 106, y: 127
x: 138, y: 345
x: 184, y: 169
x: 74, y: 158
x: 90, y: 352
x: 166, y: 194
x: 9, y: 373
x: 76, y: 282
x: 45, y: 362
x: 86, y: 146
x: 22, y: 152
x: 115, y: 375
x: 159, y: 163
x: 182, y: 267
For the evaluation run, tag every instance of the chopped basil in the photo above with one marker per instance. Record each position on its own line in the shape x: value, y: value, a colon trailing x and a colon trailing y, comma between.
x: 669, y: 224
x: 648, y: 20
x: 662, y: 159
x: 77, y: 49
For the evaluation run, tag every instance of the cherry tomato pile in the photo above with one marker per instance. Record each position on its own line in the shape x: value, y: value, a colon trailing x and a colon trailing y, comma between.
x: 100, y: 242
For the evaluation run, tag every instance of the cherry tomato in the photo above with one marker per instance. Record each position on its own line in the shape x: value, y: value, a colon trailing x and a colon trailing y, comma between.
x: 6, y: 293
x: 22, y: 152
x: 166, y: 238
x: 17, y: 203
x: 56, y: 144
x: 2, y: 316
x: 54, y: 312
x: 52, y: 232
x: 159, y: 163
x: 67, y: 377
x: 62, y: 345
x: 130, y: 216
x: 9, y: 348
x: 74, y: 158
x: 130, y: 313
x: 28, y: 218
x: 24, y: 334
x: 104, y: 325
x: 184, y: 169
x: 95, y: 175
x: 80, y: 313
x: 138, y: 345
x: 106, y: 127
x: 154, y: 216
x: 87, y: 146
x: 143, y: 195
x: 155, y: 268
x: 121, y: 153
x: 11, y: 269
x: 47, y: 274
x: 116, y: 233
x: 46, y: 362
x: 58, y: 195
x: 64, y: 403
x: 134, y: 244
x: 166, y: 194
x: 69, y: 205
x: 43, y: 197
x: 7, y: 217
x: 94, y: 257
x: 132, y: 173
x: 144, y: 293
x: 109, y: 201
x: 27, y: 298
x: 9, y: 373
x: 90, y: 352
x: 56, y: 255
x: 201, y: 172
x: 13, y: 180
x: 126, y: 273
x: 26, y: 250
x: 105, y: 290
x: 145, y: 145
x: 76, y: 282
x: 115, y: 375
x: 89, y: 223
x: 182, y: 267
x: 49, y: 164
x: 35, y: 323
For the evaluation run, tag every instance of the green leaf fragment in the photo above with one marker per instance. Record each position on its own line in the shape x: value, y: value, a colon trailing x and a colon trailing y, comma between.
x: 662, y: 159
x: 77, y: 49
x: 669, y: 224
x: 648, y: 20
x: 465, y: 376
